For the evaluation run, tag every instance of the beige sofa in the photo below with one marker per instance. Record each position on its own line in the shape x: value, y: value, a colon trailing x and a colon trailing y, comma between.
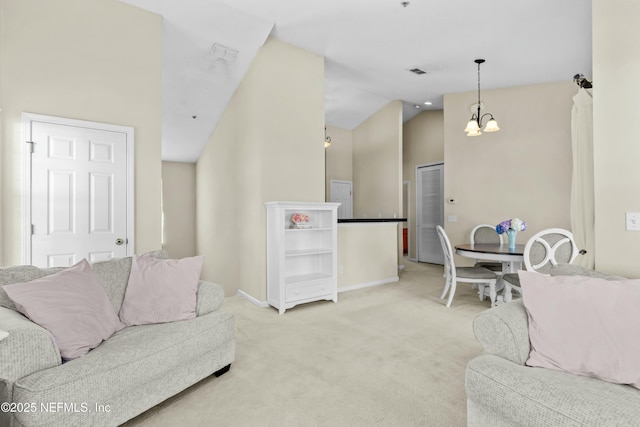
x: 503, y: 391
x: 135, y: 369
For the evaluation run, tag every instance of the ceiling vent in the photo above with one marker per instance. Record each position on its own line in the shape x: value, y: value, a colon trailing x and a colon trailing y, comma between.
x: 220, y: 59
x: 418, y: 71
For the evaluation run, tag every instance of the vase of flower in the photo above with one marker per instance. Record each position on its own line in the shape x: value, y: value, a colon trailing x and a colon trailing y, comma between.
x: 511, y: 227
x: 511, y: 236
x: 300, y: 220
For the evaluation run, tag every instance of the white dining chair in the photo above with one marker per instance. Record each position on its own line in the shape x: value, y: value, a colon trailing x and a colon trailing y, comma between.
x: 542, y: 251
x: 453, y: 274
x: 485, y: 233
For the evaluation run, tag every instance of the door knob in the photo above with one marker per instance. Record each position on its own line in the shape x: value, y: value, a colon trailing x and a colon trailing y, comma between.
x: 119, y: 242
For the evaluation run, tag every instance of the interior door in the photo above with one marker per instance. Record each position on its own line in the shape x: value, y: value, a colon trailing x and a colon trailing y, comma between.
x: 430, y: 212
x: 79, y: 196
x: 341, y: 192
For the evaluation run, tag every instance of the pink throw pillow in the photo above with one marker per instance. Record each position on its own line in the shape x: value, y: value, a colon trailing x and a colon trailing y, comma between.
x: 161, y: 290
x: 72, y: 305
x: 584, y: 325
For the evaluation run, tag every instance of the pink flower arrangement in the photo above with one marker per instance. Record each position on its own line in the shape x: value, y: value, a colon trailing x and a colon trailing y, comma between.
x: 299, y: 218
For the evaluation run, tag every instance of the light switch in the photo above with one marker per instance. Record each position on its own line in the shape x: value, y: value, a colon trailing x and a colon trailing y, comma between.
x: 633, y: 221
x: 452, y: 218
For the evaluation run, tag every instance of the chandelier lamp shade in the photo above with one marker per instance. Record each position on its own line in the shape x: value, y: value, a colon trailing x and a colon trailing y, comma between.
x: 475, y: 122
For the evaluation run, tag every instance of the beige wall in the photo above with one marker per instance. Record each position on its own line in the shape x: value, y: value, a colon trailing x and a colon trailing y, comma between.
x: 423, y: 143
x: 377, y: 164
x: 98, y: 61
x: 339, y: 163
x: 265, y: 148
x: 367, y: 255
x: 179, y: 209
x: 616, y: 67
x: 522, y: 171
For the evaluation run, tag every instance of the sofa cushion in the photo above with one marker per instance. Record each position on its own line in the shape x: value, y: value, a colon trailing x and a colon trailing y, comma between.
x: 161, y: 290
x: 584, y: 325
x: 125, y: 365
x: 114, y: 275
x: 72, y: 305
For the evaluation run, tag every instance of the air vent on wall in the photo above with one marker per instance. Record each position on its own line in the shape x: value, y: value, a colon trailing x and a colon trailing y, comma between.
x: 418, y: 71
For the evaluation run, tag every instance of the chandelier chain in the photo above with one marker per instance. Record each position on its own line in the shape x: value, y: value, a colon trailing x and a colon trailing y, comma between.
x: 478, y: 89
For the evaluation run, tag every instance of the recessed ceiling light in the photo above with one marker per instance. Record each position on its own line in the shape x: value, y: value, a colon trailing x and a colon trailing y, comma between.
x: 416, y: 106
x: 428, y: 103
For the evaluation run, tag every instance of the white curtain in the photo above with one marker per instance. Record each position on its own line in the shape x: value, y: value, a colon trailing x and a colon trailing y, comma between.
x: 582, y: 187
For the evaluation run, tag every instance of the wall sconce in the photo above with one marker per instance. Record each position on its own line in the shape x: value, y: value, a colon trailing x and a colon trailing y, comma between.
x: 475, y: 123
x: 327, y: 139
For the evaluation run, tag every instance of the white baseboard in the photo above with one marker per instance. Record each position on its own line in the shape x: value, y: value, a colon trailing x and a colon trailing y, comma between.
x: 252, y: 300
x: 369, y: 284
x: 265, y: 304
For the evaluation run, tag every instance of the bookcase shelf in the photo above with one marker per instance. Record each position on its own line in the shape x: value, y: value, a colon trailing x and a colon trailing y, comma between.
x: 301, y: 262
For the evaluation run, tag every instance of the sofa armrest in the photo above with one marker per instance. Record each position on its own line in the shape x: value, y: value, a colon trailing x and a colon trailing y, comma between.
x: 28, y: 348
x: 504, y: 331
x: 209, y: 297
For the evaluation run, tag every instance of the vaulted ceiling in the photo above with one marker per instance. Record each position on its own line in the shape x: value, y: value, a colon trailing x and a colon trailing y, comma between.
x: 369, y: 47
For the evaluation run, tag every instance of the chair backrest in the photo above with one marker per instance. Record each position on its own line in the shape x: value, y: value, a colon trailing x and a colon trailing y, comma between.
x: 548, y: 248
x: 449, y: 266
x: 485, y: 233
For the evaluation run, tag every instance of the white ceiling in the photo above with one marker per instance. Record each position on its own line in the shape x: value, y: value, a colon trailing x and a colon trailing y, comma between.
x: 368, y: 46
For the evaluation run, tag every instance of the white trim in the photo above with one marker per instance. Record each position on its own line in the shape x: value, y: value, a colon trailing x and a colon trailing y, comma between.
x: 265, y: 304
x: 408, y: 216
x: 252, y: 300
x: 27, y: 119
x: 369, y: 284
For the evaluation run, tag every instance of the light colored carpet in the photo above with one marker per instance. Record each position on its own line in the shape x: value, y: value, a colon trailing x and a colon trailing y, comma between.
x: 390, y: 355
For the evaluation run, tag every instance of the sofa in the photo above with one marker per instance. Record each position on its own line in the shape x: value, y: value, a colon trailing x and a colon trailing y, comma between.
x: 130, y: 372
x: 502, y: 391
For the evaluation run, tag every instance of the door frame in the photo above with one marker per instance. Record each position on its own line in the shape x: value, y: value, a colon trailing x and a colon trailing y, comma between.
x: 409, y: 215
x: 418, y: 187
x: 27, y: 120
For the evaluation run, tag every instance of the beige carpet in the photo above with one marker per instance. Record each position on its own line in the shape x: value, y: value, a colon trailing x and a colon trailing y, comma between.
x: 390, y: 355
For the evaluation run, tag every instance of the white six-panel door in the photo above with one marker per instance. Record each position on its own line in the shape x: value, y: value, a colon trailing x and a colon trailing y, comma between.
x: 79, y: 193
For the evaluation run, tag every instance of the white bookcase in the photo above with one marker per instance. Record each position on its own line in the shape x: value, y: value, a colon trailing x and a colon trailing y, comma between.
x: 301, y: 262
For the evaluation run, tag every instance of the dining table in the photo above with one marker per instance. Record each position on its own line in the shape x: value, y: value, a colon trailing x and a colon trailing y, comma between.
x: 511, y: 258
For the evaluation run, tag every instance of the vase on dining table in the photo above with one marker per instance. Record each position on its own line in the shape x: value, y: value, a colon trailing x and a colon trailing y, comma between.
x: 511, y: 235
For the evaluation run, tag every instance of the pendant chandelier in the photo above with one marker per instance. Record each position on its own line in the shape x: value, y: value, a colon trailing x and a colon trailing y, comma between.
x: 475, y: 123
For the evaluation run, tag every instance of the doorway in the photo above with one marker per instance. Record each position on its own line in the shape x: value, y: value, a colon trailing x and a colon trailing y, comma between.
x: 342, y: 192
x: 429, y: 212
x: 78, y: 199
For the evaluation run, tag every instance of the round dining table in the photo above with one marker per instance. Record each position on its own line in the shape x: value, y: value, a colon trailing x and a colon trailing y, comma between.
x: 511, y: 258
